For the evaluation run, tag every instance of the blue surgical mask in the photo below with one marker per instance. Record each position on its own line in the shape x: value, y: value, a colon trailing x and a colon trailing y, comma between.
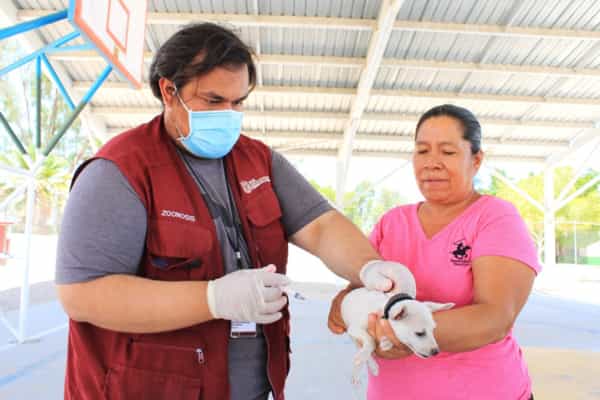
x: 212, y: 133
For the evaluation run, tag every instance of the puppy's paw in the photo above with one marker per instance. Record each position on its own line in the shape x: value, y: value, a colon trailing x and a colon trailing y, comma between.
x: 385, y: 344
x: 373, y: 366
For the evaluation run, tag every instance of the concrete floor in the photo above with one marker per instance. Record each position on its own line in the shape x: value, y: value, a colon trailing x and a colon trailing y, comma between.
x: 561, y: 339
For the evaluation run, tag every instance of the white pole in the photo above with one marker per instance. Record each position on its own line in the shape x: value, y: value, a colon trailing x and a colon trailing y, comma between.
x: 494, y: 171
x: 575, y: 241
x: 14, y: 196
x: 549, y: 223
x: 380, y: 36
x: 24, y: 301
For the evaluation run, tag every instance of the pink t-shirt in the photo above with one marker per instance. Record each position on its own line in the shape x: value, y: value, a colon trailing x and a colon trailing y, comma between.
x: 442, y: 269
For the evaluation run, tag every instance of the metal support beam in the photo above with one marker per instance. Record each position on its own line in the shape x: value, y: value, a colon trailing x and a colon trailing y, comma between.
x: 38, y: 102
x: 27, y: 26
x: 139, y: 112
x: 379, y: 40
x: 281, y: 21
x: 18, y: 192
x: 62, y: 54
x: 396, y: 93
x: 343, y: 161
x: 514, y: 187
x: 402, y: 155
x: 183, y: 18
x: 259, y: 66
x: 495, y: 30
x: 85, y: 48
x: 94, y: 128
x: 31, y: 41
x: 24, y: 298
x: 60, y: 86
x: 455, y: 96
x: 549, y: 220
x: 405, y: 140
x: 12, y: 134
x: 516, y: 8
x: 84, y: 101
x: 585, y: 138
x: 16, y: 171
x: 37, y: 53
x: 565, y: 191
x: 579, y: 191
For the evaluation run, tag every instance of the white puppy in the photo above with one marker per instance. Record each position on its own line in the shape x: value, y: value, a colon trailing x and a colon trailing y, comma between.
x: 410, y: 320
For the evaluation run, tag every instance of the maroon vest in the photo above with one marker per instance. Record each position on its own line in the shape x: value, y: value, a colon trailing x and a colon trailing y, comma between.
x: 190, y: 363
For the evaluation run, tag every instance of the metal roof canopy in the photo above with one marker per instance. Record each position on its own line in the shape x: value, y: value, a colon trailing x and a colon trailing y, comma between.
x: 351, y: 78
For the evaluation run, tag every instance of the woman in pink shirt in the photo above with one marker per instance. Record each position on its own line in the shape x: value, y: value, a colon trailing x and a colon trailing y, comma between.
x: 462, y: 247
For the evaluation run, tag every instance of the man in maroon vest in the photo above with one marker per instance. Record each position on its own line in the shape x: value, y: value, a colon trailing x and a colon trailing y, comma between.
x: 173, y: 248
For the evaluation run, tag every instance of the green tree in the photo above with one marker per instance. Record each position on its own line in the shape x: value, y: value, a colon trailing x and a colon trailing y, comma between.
x: 584, y: 208
x: 365, y: 204
x: 17, y: 103
x: 327, y: 191
x: 51, y: 183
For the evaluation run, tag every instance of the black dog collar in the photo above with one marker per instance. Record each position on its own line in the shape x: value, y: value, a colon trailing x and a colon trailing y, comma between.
x: 397, y: 298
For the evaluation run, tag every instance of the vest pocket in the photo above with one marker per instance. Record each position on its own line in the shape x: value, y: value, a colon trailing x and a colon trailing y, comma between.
x: 175, y: 248
x: 264, y: 210
x: 264, y: 214
x: 127, y: 383
x: 156, y: 371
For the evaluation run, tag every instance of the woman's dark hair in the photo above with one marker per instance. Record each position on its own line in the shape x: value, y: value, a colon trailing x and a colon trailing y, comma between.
x: 471, y: 127
x: 219, y: 46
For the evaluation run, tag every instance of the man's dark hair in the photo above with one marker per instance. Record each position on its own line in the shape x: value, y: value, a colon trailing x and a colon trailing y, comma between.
x: 218, y: 45
x: 471, y: 126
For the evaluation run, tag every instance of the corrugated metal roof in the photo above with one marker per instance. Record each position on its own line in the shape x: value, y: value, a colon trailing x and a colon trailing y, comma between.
x: 550, y: 48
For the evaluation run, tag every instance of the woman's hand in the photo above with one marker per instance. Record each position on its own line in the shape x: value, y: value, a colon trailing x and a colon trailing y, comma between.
x: 335, y: 321
x: 381, y: 331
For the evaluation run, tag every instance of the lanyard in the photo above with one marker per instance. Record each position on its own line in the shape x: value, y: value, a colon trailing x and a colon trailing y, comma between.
x: 232, y: 220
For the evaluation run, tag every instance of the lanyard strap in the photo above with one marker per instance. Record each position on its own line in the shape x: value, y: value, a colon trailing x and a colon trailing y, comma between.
x: 232, y: 220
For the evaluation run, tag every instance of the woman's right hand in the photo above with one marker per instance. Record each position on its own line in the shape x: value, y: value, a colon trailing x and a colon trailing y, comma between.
x: 380, y: 330
x: 335, y: 321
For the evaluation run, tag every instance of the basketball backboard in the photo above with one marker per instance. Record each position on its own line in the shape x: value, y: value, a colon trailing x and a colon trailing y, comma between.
x: 117, y: 29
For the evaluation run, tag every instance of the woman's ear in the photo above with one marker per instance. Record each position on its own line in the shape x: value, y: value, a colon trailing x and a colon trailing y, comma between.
x: 477, y: 160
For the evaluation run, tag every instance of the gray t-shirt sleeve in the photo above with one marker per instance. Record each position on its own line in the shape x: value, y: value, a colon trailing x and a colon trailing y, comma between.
x: 104, y: 226
x: 300, y: 202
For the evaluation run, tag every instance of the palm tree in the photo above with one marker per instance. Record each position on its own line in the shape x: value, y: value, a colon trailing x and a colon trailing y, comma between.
x: 51, y: 185
x: 53, y: 175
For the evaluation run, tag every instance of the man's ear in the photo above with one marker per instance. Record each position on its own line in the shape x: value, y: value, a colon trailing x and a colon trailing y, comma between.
x: 167, y: 90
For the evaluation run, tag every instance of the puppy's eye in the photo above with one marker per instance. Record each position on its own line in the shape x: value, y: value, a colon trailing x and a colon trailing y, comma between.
x: 421, y: 334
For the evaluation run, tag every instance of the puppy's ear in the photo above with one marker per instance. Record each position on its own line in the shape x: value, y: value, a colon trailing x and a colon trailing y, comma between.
x: 433, y: 306
x: 397, y: 312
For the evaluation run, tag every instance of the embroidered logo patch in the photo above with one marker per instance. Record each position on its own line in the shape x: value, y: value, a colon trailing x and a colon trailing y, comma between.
x: 252, y: 184
x: 177, y: 214
x: 460, y: 253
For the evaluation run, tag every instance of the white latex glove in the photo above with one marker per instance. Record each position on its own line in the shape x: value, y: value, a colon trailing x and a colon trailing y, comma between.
x: 250, y: 295
x: 388, y: 276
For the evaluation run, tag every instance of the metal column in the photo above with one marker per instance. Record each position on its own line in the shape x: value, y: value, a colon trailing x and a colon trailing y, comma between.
x: 549, y: 220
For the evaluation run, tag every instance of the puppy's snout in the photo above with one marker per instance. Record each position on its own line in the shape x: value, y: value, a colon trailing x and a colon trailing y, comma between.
x: 434, y: 352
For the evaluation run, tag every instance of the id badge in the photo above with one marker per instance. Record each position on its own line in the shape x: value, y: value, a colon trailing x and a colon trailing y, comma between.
x: 242, y: 329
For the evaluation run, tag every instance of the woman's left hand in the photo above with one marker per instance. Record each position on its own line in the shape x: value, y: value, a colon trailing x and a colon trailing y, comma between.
x: 381, y: 330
